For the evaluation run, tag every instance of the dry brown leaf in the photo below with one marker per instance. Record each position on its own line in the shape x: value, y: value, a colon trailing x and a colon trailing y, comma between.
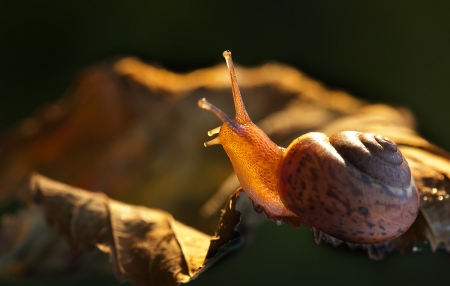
x: 146, y: 246
x: 125, y: 125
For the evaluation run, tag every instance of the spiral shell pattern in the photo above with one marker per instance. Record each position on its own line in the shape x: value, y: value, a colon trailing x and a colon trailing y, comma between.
x: 375, y: 155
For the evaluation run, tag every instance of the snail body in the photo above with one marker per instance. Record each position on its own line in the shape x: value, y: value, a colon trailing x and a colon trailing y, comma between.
x: 353, y: 186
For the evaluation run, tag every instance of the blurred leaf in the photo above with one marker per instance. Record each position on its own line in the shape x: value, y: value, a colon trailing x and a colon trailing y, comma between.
x: 133, y: 131
x: 30, y: 248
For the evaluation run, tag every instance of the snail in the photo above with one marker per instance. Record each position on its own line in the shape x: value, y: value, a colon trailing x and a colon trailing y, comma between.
x: 353, y: 186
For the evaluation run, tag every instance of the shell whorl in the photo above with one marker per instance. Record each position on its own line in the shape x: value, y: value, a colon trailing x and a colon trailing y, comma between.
x: 377, y: 156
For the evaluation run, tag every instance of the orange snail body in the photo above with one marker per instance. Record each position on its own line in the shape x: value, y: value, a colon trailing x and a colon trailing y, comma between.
x: 353, y: 186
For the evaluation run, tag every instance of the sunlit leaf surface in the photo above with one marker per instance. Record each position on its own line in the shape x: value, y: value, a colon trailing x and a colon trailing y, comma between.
x: 131, y: 132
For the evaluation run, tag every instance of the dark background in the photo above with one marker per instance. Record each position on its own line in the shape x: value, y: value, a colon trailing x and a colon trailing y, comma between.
x: 385, y: 51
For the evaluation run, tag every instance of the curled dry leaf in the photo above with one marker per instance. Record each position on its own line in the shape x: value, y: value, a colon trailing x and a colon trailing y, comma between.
x: 124, y: 125
x: 146, y: 246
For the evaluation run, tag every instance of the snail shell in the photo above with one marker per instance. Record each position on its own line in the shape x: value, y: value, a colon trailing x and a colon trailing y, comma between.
x: 353, y: 186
